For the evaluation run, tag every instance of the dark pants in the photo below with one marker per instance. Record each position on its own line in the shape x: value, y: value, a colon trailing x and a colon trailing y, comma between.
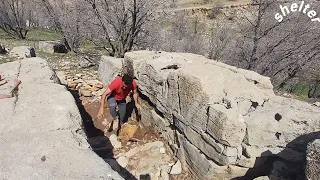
x: 113, y: 105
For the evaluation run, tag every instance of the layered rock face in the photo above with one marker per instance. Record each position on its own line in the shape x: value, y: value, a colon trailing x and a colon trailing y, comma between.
x: 109, y: 69
x: 222, y: 122
x: 41, y: 133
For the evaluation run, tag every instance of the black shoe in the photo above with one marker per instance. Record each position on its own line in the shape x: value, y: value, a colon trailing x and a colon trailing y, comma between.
x: 110, y: 127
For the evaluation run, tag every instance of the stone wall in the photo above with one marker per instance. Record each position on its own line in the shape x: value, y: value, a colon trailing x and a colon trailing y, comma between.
x: 222, y: 122
x: 41, y: 128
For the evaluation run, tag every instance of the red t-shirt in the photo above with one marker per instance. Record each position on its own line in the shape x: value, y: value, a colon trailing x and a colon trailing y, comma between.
x: 117, y: 90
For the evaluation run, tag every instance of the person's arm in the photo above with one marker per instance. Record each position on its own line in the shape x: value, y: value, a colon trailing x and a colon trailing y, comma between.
x: 102, y: 103
x: 135, y: 98
x: 113, y: 85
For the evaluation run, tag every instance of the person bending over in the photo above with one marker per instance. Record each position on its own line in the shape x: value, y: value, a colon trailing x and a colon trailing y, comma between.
x: 118, y: 90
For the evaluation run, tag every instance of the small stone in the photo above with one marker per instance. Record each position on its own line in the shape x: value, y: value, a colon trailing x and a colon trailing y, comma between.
x: 316, y: 104
x: 86, y: 93
x: 93, y: 82
x: 99, y: 85
x: 86, y: 86
x: 94, y: 89
x: 43, y: 159
x: 2, y: 82
x: 156, y: 175
x: 79, y: 81
x: 286, y: 95
x: 176, y: 169
x: 123, y: 161
x: 118, y: 145
x: 113, y: 138
x: 262, y: 178
x: 164, y: 173
x: 79, y: 75
x: 79, y: 85
x: 162, y: 150
x: 72, y: 84
x: 85, y: 62
x: 132, y: 152
x: 114, y: 141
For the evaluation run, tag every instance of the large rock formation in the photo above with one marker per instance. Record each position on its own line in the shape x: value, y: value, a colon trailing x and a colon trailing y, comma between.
x: 221, y: 121
x: 52, y: 47
x: 41, y: 133
x: 21, y: 52
x: 109, y: 68
x: 313, y: 160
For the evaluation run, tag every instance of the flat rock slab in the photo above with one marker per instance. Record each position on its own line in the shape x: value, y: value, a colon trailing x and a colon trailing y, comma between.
x: 40, y: 129
x: 20, y: 52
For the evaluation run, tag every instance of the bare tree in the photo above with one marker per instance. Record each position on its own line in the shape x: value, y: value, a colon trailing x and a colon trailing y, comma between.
x: 55, y: 18
x: 219, y: 40
x: 120, y: 22
x: 278, y: 50
x: 13, y: 18
x: 70, y: 19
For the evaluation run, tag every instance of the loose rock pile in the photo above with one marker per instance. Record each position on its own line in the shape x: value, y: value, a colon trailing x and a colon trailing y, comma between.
x: 87, y: 88
x: 149, y: 159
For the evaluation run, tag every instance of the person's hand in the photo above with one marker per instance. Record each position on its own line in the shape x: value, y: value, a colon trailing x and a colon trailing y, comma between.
x: 100, y: 113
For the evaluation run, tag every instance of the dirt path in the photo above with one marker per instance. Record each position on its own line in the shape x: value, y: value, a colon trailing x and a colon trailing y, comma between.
x: 143, y: 159
x: 146, y: 157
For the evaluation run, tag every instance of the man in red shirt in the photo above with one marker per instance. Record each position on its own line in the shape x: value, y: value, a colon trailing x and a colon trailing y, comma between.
x: 118, y: 91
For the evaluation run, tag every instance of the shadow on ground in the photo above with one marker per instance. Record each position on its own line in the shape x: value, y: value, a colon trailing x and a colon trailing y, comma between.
x: 99, y: 143
x: 276, y: 167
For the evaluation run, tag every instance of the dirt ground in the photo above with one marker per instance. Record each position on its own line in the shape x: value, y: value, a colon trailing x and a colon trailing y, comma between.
x: 142, y: 136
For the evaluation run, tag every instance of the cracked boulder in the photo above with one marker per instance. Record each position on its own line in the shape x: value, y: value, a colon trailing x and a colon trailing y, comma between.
x: 109, y: 68
x: 275, y: 126
x: 52, y: 47
x: 229, y: 116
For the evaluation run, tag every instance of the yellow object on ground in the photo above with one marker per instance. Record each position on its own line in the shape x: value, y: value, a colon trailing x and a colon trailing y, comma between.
x: 127, y: 131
